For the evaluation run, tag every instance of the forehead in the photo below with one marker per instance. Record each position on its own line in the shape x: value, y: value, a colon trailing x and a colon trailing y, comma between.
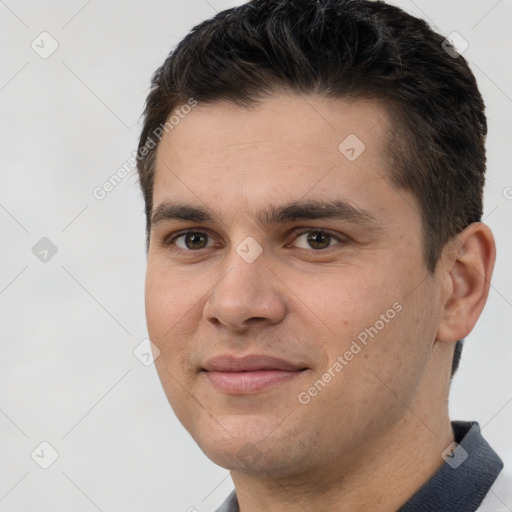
x: 287, y: 124
x: 286, y: 148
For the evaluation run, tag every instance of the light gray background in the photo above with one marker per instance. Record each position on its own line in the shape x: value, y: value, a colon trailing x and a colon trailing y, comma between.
x: 69, y: 325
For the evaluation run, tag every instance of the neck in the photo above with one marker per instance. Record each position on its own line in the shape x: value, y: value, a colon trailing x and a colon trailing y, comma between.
x: 383, y: 479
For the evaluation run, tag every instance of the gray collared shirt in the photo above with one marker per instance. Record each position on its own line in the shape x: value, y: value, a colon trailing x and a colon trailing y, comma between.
x: 459, y: 485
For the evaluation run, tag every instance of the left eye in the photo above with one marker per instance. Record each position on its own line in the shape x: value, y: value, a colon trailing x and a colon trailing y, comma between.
x: 192, y: 240
x: 316, y: 239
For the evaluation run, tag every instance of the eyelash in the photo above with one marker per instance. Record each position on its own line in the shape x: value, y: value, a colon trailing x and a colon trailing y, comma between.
x: 169, y: 241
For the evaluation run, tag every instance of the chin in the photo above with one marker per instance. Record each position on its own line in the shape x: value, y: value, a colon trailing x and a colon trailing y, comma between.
x: 245, y: 448
x: 244, y: 456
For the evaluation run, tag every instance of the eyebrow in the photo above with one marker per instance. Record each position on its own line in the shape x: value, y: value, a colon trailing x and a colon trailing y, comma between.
x: 273, y: 215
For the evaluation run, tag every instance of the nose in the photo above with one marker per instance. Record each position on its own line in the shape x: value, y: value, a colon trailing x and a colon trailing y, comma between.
x: 248, y: 293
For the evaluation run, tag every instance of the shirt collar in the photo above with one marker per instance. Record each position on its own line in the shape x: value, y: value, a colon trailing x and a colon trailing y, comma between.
x: 464, y: 479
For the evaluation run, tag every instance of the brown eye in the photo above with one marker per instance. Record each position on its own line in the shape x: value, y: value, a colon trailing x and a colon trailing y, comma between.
x: 196, y: 240
x: 316, y: 239
x: 319, y: 239
x: 190, y: 241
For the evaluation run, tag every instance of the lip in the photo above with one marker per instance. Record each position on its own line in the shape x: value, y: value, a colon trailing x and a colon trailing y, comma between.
x: 249, y: 374
x: 249, y: 363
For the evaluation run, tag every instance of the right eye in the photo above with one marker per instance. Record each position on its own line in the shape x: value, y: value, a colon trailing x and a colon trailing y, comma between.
x: 188, y: 241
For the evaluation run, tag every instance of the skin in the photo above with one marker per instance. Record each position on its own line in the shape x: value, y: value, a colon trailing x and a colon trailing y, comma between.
x: 376, y: 431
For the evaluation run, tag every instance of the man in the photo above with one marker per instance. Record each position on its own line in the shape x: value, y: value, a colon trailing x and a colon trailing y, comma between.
x: 313, y: 175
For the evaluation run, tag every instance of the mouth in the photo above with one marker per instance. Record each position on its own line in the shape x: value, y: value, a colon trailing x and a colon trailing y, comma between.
x: 249, y: 374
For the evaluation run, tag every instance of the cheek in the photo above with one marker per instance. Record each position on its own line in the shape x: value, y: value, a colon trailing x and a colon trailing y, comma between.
x: 158, y: 303
x: 397, y: 347
x: 168, y: 299
x: 169, y: 310
x: 346, y: 301
x: 371, y: 324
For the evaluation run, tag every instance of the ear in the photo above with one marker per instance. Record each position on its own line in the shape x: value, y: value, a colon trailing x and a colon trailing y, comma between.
x: 466, y: 270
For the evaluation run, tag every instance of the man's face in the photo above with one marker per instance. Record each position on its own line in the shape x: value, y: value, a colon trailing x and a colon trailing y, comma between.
x: 344, y: 304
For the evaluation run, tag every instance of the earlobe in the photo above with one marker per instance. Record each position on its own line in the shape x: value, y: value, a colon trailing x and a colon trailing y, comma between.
x: 468, y: 272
